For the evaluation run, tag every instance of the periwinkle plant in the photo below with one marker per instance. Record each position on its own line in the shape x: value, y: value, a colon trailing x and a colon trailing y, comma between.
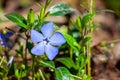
x: 42, y: 37
x: 47, y: 41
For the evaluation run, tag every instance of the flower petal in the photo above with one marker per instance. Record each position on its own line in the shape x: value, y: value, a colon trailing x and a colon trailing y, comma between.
x: 2, y: 37
x: 2, y: 43
x: 8, y: 34
x: 7, y: 44
x: 51, y: 51
x: 38, y: 49
x: 57, y: 39
x: 47, y: 29
x: 36, y: 36
x: 10, y: 61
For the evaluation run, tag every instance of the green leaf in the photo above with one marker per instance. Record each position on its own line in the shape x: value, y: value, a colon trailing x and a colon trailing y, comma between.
x: 81, y: 61
x: 30, y: 18
x: 87, y: 39
x: 17, y: 19
x: 3, y: 71
x: 24, y: 73
x: 71, y: 41
x: 42, y: 14
x: 29, y: 46
x: 79, y: 24
x: 17, y: 73
x: 39, y: 4
x: 47, y: 64
x: 60, y: 10
x: 86, y: 77
x: 62, y: 73
x: 68, y: 62
x: 86, y: 19
x: 36, y: 23
x: 48, y: 2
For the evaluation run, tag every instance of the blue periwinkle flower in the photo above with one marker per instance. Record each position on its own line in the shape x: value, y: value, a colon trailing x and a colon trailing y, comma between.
x: 4, y: 39
x: 46, y: 41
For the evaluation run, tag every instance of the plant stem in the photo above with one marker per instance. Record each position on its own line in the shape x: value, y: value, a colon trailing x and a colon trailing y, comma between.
x: 6, y: 53
x: 25, y: 58
x: 43, y: 78
x: 1, y: 9
x: 77, y: 77
x: 89, y: 59
x: 89, y: 43
x: 71, y: 53
x: 33, y: 67
x: 1, y: 60
x: 91, y: 6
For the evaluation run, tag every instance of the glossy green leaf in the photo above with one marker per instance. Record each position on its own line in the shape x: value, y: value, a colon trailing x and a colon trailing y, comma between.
x: 24, y: 73
x: 30, y: 18
x: 3, y: 71
x: 87, y: 39
x: 47, y: 64
x: 60, y: 9
x: 86, y: 77
x: 86, y: 19
x: 36, y: 23
x: 39, y: 4
x: 71, y: 41
x: 62, y: 73
x: 42, y: 13
x: 29, y: 46
x: 17, y: 19
x: 79, y: 24
x: 48, y: 2
x: 17, y: 73
x: 68, y: 62
x: 81, y: 61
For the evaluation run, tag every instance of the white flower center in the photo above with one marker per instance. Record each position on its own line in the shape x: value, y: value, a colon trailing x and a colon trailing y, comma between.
x: 45, y: 41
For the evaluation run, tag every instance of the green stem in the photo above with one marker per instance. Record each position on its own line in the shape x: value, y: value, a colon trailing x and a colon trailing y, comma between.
x: 91, y: 6
x: 89, y: 58
x: 33, y: 65
x: 71, y: 53
x: 1, y: 60
x: 89, y: 43
x: 1, y: 9
x: 18, y: 78
x: 43, y: 78
x: 6, y: 53
x: 25, y: 58
x: 77, y: 77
